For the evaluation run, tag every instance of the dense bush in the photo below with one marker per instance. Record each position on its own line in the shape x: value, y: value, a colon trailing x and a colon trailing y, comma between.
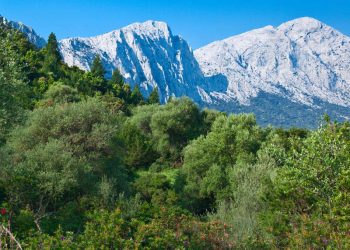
x: 59, y: 155
x: 233, y: 140
x: 156, y: 133
x: 310, y: 194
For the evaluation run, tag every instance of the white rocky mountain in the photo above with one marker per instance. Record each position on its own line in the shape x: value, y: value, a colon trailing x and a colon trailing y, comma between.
x: 302, y: 60
x: 147, y: 54
x: 32, y: 36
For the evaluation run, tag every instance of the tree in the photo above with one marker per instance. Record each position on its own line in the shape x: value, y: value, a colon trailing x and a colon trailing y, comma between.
x: 14, y: 91
x: 63, y: 149
x: 232, y: 141
x: 152, y: 185
x: 117, y: 80
x: 173, y: 126
x: 96, y: 77
x: 136, y: 96
x: 97, y: 69
x: 247, y: 185
x: 309, y: 198
x: 107, y: 230
x: 154, y: 97
x: 135, y: 138
x: 52, y: 60
x: 120, y: 88
x: 59, y: 93
x: 125, y: 93
x: 159, y: 133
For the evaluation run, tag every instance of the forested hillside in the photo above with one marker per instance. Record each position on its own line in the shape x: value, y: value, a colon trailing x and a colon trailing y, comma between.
x: 88, y: 163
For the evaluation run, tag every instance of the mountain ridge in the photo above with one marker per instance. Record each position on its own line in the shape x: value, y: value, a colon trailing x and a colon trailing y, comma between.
x: 282, y: 57
x: 29, y: 32
x: 146, y: 53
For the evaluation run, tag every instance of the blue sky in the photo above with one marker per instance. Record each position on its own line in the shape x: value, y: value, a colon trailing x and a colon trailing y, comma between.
x: 198, y: 21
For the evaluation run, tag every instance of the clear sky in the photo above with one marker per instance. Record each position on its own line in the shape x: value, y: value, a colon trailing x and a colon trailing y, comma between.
x: 198, y: 21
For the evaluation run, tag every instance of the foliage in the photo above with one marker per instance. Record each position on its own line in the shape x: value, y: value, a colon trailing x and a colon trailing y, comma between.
x: 121, y: 89
x: 135, y: 138
x: 308, y: 191
x: 59, y: 94
x: 154, y: 97
x: 14, y: 93
x: 97, y: 69
x: 52, y: 59
x: 159, y: 133
x: 62, y: 149
x: 87, y: 163
x: 233, y: 140
x: 153, y: 185
x: 173, y: 126
x: 106, y: 230
x: 136, y: 96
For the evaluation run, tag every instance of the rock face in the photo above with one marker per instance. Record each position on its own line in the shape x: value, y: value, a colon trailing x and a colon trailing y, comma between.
x: 303, y: 60
x: 32, y: 36
x: 147, y: 54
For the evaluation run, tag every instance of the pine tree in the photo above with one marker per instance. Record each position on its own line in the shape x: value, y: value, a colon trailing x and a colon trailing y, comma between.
x: 97, y: 69
x: 126, y: 93
x: 52, y: 47
x: 136, y: 96
x: 52, y: 58
x: 117, y: 79
x: 117, y: 83
x: 98, y: 81
x: 154, y: 97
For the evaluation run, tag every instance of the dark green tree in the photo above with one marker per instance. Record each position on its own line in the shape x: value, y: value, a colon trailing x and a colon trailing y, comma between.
x: 136, y: 96
x: 97, y: 69
x: 63, y: 148
x: 97, y: 79
x: 232, y: 141
x: 125, y: 93
x: 154, y: 97
x: 59, y: 93
x: 173, y: 126
x: 152, y: 184
x: 135, y: 138
x: 13, y: 80
x: 119, y: 87
x: 117, y: 79
x: 52, y: 59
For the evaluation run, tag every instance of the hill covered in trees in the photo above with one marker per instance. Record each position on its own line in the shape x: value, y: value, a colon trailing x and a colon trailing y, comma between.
x: 88, y: 163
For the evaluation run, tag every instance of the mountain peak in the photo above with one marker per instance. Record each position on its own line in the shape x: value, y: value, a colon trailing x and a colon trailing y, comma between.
x: 156, y: 24
x: 305, y: 20
x: 147, y: 54
x: 303, y: 23
x: 149, y: 28
x: 150, y: 24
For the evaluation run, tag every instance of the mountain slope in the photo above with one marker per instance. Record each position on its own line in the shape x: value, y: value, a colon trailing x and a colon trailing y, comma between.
x: 32, y: 36
x: 147, y: 54
x: 301, y: 60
